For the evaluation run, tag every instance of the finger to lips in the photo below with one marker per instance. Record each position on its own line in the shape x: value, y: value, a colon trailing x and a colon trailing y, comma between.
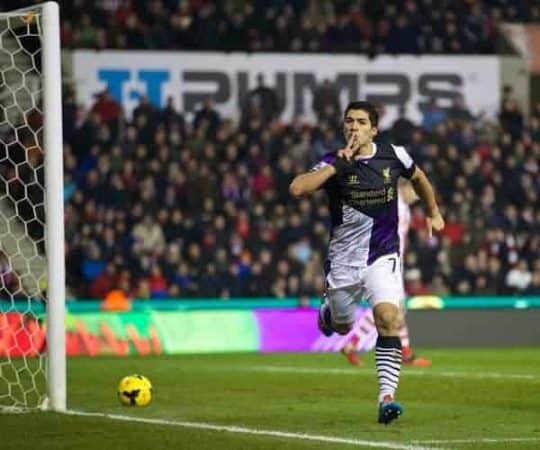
x: 348, y: 150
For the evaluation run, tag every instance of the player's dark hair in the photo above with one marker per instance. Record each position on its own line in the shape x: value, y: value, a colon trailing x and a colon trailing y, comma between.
x: 367, y: 107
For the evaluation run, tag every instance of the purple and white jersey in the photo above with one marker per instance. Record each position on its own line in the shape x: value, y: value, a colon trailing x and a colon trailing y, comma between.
x: 363, y: 205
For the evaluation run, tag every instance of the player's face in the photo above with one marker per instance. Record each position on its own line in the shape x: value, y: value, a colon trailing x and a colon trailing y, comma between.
x: 357, y: 124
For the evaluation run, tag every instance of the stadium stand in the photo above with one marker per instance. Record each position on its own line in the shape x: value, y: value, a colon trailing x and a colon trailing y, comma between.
x: 210, y: 214
x: 423, y: 26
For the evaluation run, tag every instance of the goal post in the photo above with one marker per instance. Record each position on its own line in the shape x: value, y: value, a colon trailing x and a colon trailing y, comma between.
x: 32, y: 351
x: 54, y: 206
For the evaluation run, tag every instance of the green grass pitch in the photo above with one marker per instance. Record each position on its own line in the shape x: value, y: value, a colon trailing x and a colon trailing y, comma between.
x: 469, y: 399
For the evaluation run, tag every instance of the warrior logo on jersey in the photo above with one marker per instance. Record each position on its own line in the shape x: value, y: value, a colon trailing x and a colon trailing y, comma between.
x: 353, y: 179
x: 386, y: 175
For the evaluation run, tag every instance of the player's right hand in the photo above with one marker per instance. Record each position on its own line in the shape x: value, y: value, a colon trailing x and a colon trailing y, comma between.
x: 348, y: 152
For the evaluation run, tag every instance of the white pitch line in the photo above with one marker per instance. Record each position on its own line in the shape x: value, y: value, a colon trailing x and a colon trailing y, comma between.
x: 476, y: 441
x: 430, y: 372
x: 270, y: 433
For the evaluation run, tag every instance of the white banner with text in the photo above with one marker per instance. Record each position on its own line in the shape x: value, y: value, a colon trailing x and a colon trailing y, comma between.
x: 403, y: 83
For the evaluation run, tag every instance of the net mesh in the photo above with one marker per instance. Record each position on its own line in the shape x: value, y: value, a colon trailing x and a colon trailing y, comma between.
x: 22, y: 213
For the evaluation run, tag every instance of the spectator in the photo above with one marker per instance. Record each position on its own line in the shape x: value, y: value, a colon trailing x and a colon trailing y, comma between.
x: 413, y: 283
x: 104, y: 282
x: 157, y: 283
x: 326, y: 102
x: 108, y: 111
x: 519, y: 278
x: 433, y: 115
x: 511, y: 119
x: 148, y: 236
x: 207, y: 118
x: 93, y: 264
x: 459, y: 112
x: 402, y: 129
x: 261, y: 101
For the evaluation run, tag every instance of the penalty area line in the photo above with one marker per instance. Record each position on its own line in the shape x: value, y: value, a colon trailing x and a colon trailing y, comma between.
x: 408, y: 372
x: 257, y: 432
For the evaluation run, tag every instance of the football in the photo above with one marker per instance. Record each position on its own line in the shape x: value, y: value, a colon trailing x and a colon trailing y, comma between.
x: 135, y: 390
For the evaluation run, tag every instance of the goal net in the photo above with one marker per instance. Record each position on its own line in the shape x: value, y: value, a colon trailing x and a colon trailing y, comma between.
x: 32, y: 355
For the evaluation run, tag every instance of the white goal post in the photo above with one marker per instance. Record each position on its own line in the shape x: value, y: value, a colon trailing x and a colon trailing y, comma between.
x: 32, y: 268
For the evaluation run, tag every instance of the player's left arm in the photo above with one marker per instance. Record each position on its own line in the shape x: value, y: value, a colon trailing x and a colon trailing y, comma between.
x: 424, y: 190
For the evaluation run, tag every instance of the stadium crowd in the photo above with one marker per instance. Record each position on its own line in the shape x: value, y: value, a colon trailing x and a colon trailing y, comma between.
x: 370, y: 27
x: 163, y: 206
